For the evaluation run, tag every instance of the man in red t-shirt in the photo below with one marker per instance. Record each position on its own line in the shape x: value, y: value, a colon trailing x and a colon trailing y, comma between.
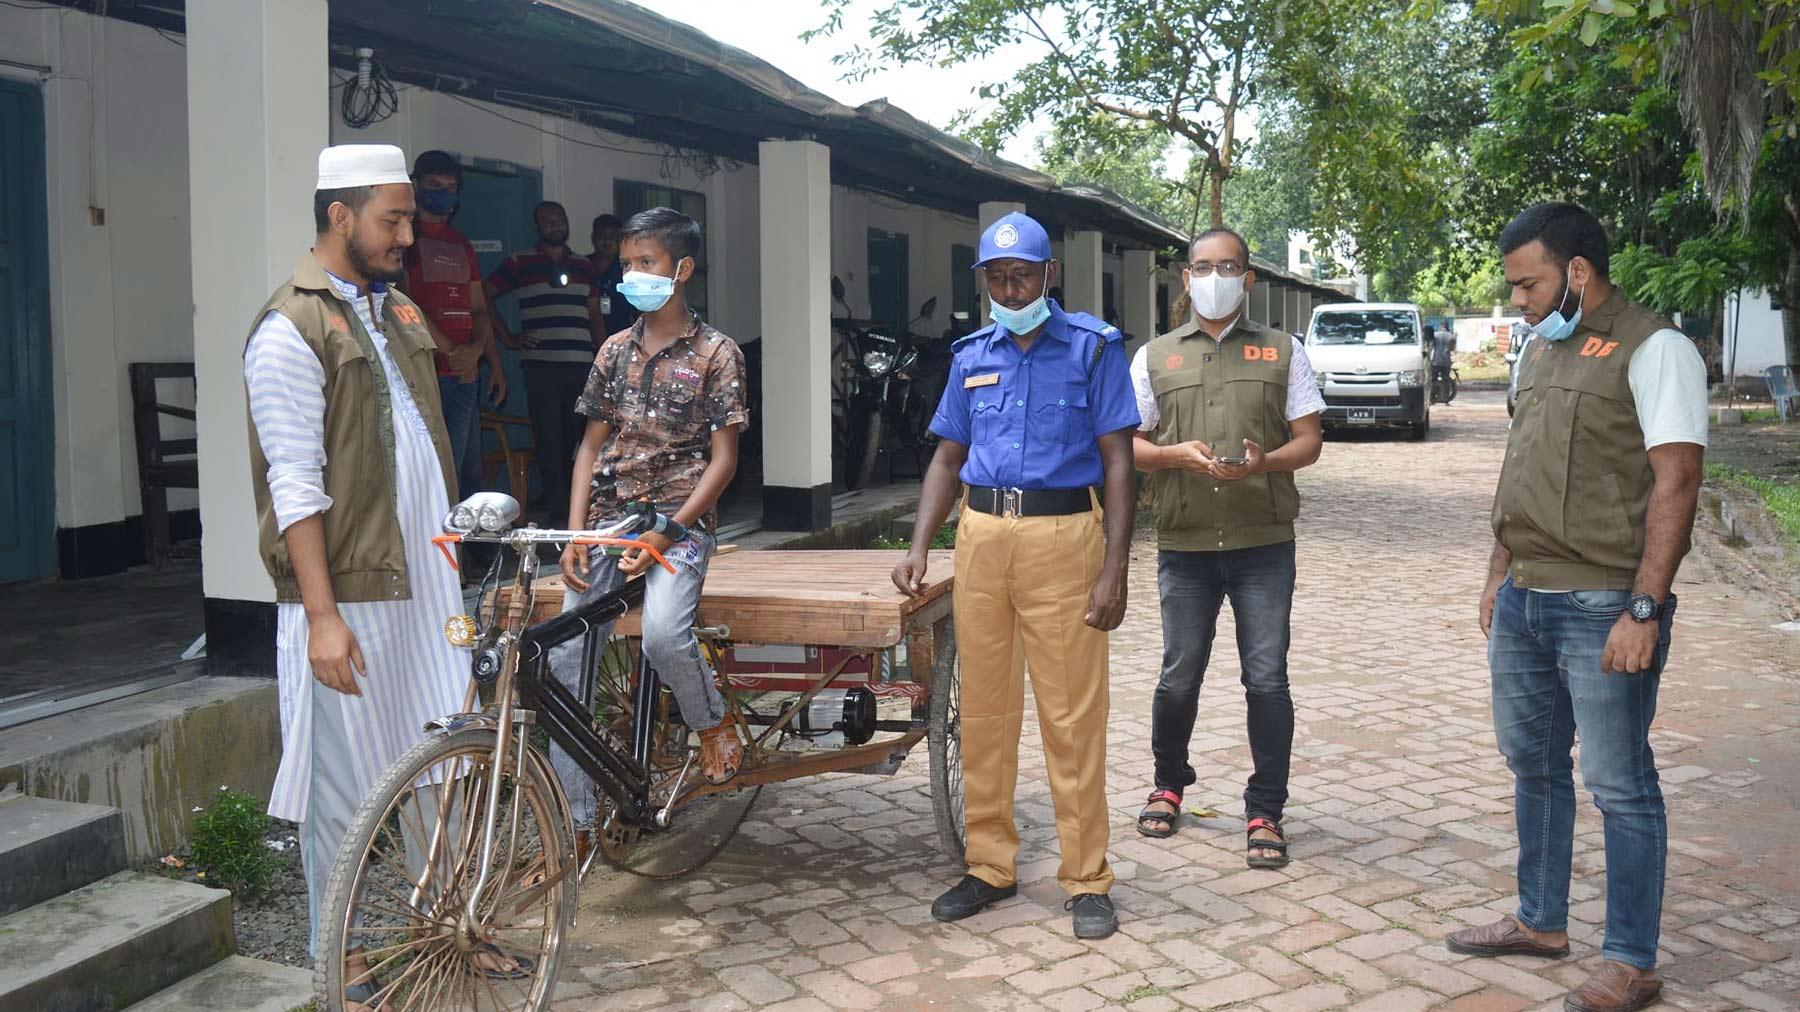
x: 442, y: 276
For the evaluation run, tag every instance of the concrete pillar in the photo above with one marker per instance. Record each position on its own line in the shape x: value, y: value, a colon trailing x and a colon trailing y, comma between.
x: 795, y: 183
x: 1259, y: 302
x: 258, y: 109
x: 1082, y: 274
x: 991, y: 211
x: 1137, y: 295
x: 1294, y: 317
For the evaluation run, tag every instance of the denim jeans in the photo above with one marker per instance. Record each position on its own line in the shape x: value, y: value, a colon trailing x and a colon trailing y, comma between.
x: 1260, y: 584
x: 551, y: 390
x: 1544, y: 651
x: 671, y: 601
x: 462, y: 422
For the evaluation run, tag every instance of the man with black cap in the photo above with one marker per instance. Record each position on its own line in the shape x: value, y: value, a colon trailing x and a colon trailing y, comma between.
x: 443, y: 277
x: 1038, y: 413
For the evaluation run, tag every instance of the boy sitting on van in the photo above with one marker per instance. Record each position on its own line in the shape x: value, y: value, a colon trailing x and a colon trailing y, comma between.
x: 665, y: 404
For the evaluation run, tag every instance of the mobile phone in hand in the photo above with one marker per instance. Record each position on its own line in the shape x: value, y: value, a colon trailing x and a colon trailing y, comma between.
x: 1234, y: 461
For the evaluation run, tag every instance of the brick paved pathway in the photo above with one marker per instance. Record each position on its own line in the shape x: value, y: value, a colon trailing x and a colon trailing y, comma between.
x: 1400, y: 820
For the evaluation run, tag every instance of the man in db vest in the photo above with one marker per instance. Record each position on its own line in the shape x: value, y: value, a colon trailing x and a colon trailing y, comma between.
x: 1036, y: 420
x: 1591, y: 520
x: 1230, y: 411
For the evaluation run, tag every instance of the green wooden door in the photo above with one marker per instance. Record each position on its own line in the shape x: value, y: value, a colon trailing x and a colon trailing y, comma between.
x: 27, y: 486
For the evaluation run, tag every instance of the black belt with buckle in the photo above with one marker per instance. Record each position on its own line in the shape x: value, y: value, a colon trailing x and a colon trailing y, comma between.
x: 1019, y: 502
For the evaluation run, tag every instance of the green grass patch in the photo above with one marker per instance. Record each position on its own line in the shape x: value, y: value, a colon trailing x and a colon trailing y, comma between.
x: 1782, y: 498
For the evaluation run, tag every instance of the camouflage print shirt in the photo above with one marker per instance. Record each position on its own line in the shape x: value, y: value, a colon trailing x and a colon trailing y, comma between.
x: 663, y: 410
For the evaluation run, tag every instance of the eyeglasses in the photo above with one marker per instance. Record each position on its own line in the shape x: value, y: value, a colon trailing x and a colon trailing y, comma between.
x: 1204, y: 268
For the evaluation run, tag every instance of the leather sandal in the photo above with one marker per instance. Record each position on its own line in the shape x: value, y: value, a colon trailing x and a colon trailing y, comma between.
x: 1279, y: 845
x: 721, y: 753
x: 1148, y: 821
x: 1501, y: 938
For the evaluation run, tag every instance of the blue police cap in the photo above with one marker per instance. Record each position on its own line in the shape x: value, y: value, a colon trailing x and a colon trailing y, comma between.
x: 1015, y: 236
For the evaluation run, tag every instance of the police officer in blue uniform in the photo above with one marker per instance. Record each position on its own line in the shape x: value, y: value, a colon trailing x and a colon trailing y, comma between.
x: 1037, y: 422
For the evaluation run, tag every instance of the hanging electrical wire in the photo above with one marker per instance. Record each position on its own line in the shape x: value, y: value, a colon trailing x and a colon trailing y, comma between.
x: 369, y: 97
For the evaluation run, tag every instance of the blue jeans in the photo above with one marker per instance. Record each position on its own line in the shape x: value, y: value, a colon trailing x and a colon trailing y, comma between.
x: 1544, y: 651
x: 1260, y: 583
x: 671, y: 602
x: 462, y: 421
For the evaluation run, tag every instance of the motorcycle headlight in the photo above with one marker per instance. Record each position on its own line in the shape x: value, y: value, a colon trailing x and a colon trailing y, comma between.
x: 1412, y: 378
x: 878, y: 362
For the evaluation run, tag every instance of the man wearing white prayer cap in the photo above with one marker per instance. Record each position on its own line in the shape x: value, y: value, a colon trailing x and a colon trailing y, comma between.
x: 340, y: 371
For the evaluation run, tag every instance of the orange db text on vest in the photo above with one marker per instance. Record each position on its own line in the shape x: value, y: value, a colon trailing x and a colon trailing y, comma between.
x: 1259, y: 353
x: 1597, y: 347
x: 406, y: 314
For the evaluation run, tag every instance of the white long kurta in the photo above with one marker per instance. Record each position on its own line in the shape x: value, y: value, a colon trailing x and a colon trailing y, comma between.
x: 413, y: 674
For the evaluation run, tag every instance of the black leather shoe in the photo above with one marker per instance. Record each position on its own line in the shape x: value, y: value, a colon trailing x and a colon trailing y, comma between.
x: 1094, y: 915
x: 968, y: 897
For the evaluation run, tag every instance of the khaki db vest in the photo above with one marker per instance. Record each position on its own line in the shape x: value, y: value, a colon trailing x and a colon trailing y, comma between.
x: 364, y: 548
x: 1575, y: 487
x: 1221, y: 393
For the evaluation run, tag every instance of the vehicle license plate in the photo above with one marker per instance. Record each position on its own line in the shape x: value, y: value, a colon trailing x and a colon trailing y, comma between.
x: 1362, y: 414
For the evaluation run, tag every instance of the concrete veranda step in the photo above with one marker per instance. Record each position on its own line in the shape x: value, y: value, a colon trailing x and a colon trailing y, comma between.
x: 50, y: 847
x: 111, y: 943
x: 239, y: 984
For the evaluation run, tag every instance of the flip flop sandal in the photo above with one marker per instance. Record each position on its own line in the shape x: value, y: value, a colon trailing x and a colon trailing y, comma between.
x: 1253, y: 844
x: 1146, y: 817
x: 525, y: 964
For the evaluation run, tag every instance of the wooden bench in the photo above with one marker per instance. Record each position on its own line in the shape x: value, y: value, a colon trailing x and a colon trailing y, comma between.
x: 157, y: 472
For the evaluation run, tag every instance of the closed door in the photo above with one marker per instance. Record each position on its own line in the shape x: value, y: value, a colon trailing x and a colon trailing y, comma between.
x: 496, y: 216
x: 27, y: 487
x: 888, y: 280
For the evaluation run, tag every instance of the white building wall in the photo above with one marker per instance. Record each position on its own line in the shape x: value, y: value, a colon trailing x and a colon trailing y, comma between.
x: 115, y: 136
x: 121, y: 291
x: 1754, y: 324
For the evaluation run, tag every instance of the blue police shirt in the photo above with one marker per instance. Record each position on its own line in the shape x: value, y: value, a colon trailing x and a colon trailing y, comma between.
x: 1031, y: 420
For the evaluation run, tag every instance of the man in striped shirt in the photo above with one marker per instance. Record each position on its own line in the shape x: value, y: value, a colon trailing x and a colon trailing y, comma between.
x: 559, y: 314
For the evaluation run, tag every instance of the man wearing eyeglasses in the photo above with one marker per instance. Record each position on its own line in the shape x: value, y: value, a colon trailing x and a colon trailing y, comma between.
x: 1230, y: 411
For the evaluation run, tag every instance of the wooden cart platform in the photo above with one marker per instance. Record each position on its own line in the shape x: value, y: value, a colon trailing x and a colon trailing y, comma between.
x: 834, y: 598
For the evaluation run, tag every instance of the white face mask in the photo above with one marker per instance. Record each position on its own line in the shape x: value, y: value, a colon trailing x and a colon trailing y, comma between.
x: 1215, y: 296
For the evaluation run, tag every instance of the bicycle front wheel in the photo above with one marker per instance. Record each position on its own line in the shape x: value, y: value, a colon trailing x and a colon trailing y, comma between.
x: 428, y: 913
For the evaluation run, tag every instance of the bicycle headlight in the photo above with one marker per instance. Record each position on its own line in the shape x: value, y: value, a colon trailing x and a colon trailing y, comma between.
x: 461, y: 519
x: 491, y: 512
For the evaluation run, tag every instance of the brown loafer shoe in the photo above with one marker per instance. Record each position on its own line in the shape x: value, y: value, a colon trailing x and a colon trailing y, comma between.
x: 1616, y: 987
x: 1501, y: 938
x: 721, y: 753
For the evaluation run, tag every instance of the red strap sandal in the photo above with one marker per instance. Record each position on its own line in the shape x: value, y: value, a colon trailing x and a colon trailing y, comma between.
x: 1160, y: 824
x: 1279, y: 845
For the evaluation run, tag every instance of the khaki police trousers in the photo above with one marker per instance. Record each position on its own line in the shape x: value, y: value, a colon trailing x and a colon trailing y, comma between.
x: 1022, y: 587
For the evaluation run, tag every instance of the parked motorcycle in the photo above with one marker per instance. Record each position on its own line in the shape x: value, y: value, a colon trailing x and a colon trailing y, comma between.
x: 1445, y: 392
x: 868, y: 393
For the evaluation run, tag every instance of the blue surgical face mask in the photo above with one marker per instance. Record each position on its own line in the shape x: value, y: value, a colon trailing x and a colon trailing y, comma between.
x: 648, y: 292
x: 440, y: 202
x: 1555, y: 327
x: 1023, y: 321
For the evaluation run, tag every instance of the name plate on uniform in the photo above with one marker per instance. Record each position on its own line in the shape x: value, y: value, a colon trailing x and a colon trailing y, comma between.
x: 981, y: 381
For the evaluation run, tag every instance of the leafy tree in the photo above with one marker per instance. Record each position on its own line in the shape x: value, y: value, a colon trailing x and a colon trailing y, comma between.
x: 1186, y: 67
x: 1122, y: 155
x: 1734, y: 66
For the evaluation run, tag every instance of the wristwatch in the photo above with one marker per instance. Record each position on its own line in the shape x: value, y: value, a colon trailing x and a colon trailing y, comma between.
x: 1644, y: 608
